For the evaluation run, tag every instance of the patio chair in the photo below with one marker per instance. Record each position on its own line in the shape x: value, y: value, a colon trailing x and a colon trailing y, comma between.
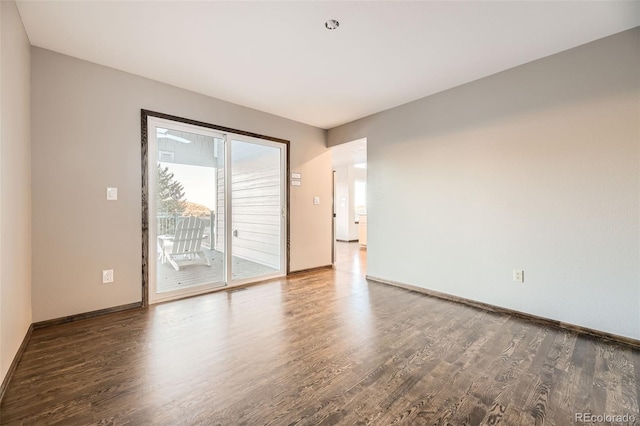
x: 186, y: 244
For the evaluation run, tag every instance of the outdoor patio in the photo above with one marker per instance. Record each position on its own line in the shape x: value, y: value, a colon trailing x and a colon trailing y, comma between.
x: 192, y: 275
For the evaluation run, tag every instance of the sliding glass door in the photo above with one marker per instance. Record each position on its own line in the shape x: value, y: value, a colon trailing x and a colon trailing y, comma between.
x: 217, y: 209
x: 257, y: 209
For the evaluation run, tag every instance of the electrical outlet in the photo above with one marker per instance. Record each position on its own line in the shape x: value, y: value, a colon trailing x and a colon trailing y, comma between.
x: 518, y: 276
x: 107, y: 276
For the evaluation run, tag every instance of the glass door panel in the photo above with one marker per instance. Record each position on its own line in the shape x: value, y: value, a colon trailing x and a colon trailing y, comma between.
x: 186, y: 210
x: 257, y: 209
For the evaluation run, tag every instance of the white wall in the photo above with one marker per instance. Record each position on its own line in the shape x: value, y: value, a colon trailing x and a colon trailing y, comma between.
x: 15, y: 185
x: 536, y: 168
x: 346, y: 176
x: 86, y: 136
x: 3, y: 369
x: 342, y: 200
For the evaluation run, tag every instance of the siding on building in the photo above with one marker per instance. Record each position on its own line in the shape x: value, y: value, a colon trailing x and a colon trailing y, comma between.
x: 256, y: 204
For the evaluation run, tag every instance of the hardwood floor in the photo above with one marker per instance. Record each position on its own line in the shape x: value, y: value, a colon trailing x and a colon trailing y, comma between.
x: 325, y: 347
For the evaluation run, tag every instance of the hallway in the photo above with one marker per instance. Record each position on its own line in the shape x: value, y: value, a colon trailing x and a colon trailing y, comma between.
x: 350, y: 257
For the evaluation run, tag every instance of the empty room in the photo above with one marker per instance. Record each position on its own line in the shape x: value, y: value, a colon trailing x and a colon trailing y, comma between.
x: 319, y: 212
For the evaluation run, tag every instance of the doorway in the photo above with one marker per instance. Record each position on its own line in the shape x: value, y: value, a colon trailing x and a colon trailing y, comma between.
x: 349, y: 161
x: 216, y: 207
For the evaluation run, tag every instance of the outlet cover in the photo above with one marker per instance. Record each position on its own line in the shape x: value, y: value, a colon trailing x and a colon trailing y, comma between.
x: 107, y: 276
x: 112, y: 193
x: 518, y: 275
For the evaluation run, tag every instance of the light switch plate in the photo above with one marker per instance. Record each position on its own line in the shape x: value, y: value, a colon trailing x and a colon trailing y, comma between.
x: 316, y: 200
x: 112, y: 194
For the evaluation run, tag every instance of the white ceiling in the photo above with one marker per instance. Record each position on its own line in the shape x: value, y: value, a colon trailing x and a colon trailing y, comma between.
x: 278, y: 57
x: 349, y: 154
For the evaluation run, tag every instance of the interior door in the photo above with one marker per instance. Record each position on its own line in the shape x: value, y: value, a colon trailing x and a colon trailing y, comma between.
x: 333, y: 218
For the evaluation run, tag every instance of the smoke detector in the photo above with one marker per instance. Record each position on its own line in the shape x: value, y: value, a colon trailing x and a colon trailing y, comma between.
x: 332, y: 24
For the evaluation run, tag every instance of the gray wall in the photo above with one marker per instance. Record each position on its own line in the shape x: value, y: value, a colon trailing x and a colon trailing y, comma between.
x: 15, y: 185
x: 86, y: 136
x: 535, y: 168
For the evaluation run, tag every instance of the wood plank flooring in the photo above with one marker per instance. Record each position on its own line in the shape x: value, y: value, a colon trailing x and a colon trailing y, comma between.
x: 326, y: 347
